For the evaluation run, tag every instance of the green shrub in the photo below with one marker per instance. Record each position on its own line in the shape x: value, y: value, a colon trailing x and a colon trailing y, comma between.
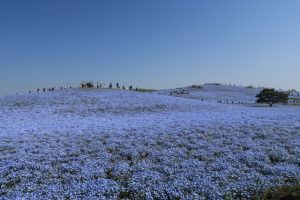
x: 282, y: 193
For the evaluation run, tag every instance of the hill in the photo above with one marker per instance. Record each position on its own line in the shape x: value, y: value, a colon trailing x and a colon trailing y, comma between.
x: 117, y: 144
x: 235, y: 94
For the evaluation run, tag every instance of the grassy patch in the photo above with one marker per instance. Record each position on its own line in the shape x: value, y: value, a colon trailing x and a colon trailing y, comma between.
x: 11, y: 183
x: 295, y: 104
x: 7, y: 149
x: 283, y: 192
x: 145, y: 90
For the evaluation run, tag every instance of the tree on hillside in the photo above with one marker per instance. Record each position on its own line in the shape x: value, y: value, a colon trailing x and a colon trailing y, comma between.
x: 271, y: 96
x: 89, y: 85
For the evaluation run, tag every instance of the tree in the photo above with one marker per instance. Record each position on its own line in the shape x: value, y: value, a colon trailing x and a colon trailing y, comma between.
x: 271, y: 96
x: 90, y: 85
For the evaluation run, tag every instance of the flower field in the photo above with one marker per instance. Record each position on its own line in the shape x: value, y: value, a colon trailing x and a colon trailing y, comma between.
x: 115, y: 144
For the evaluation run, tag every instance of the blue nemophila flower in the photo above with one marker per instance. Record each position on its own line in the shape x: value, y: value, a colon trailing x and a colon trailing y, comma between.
x: 76, y: 144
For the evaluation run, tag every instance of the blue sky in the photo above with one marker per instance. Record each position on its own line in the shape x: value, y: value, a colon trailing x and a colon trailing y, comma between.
x: 153, y: 44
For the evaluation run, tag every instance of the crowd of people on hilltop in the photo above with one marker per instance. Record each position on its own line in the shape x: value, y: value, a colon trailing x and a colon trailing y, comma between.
x: 51, y: 89
x: 91, y: 84
x: 226, y: 101
x: 88, y: 84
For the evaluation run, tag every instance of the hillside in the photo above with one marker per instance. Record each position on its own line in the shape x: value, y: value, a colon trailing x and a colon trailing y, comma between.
x: 232, y: 94
x: 117, y: 144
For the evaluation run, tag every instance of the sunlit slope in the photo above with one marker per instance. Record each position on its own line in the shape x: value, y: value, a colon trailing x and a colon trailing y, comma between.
x: 115, y: 144
x: 225, y: 93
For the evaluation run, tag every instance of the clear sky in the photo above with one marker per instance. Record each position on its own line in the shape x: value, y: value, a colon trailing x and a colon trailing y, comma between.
x: 153, y: 44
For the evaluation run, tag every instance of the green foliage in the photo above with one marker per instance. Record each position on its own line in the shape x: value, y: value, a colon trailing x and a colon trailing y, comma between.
x: 271, y: 96
x: 145, y: 90
x: 284, y: 192
x: 89, y: 85
x: 196, y: 86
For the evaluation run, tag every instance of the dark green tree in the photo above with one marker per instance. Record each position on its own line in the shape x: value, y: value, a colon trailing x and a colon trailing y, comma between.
x: 90, y: 85
x: 271, y: 96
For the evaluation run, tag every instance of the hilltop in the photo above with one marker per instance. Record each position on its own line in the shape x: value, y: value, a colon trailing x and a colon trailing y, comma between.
x: 230, y: 93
